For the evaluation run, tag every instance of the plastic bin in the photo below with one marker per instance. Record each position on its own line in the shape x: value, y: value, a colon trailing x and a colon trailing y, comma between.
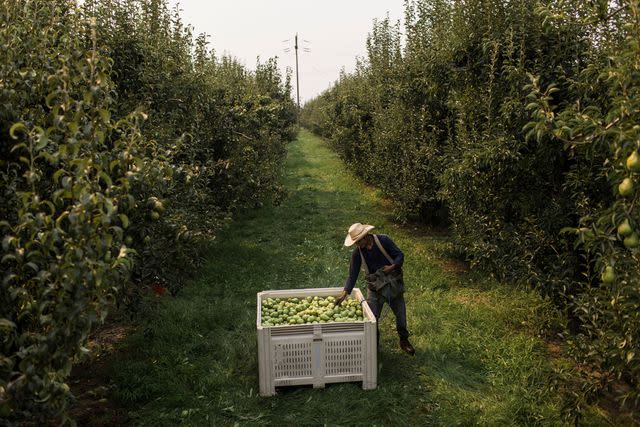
x: 316, y: 354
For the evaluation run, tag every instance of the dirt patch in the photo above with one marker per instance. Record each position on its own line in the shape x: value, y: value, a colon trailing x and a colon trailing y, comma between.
x: 90, y: 380
x: 455, y: 266
x: 471, y: 299
x: 104, y: 340
x: 600, y: 389
x: 554, y: 349
x: 610, y: 402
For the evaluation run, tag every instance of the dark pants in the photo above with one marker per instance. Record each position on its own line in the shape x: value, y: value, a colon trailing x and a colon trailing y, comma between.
x: 376, y: 302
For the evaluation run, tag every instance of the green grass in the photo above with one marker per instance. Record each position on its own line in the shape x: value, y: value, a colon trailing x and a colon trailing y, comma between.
x: 193, y: 360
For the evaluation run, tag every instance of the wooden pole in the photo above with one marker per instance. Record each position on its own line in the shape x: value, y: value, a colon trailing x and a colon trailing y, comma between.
x: 297, y: 79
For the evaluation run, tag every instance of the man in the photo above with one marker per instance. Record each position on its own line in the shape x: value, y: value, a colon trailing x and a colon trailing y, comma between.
x: 382, y: 261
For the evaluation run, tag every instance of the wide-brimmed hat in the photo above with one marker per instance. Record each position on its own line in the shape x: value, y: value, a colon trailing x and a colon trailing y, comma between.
x: 356, y: 232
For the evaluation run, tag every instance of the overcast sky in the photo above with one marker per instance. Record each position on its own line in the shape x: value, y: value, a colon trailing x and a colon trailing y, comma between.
x: 336, y: 32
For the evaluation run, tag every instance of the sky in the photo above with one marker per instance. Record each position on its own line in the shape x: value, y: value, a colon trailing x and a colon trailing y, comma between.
x: 334, y: 32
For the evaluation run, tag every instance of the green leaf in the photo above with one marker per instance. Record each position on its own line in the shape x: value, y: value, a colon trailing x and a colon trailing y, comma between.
x: 42, y: 141
x: 8, y: 278
x: 7, y: 325
x: 66, y: 182
x: 105, y: 115
x: 73, y: 128
x: 17, y: 127
x: 568, y: 230
x: 106, y: 178
x: 125, y: 220
x: 7, y: 242
x: 56, y: 175
x: 50, y: 98
x: 18, y: 146
x: 51, y: 206
x: 8, y: 257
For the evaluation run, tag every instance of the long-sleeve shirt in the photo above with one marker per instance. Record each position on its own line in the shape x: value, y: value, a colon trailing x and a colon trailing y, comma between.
x: 374, y: 258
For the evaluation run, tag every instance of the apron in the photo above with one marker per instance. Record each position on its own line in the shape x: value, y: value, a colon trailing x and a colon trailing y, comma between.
x: 388, y: 285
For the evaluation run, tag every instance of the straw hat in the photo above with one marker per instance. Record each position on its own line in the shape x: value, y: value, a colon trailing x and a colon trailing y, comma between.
x: 356, y: 232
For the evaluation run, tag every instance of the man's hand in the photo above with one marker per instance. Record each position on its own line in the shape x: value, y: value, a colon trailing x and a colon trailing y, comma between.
x: 341, y: 298
x: 388, y: 268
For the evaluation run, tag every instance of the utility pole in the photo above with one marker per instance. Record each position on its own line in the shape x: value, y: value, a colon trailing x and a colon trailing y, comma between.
x: 305, y: 49
x: 297, y: 79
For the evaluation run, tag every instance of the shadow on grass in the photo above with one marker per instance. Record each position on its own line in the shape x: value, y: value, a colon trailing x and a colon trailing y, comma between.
x: 457, y: 368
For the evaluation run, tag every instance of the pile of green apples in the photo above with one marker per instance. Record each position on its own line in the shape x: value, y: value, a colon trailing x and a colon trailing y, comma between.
x: 309, y: 310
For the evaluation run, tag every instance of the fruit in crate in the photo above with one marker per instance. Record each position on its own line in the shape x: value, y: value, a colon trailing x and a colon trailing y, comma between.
x: 309, y: 310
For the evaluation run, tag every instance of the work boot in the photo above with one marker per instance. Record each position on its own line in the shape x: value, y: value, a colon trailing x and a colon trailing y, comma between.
x: 406, y: 346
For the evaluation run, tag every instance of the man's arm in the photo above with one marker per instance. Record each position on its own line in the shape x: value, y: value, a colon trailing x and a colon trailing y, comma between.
x: 354, y: 270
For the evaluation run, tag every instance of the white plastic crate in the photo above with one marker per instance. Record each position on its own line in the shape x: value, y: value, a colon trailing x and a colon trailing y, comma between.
x: 316, y: 354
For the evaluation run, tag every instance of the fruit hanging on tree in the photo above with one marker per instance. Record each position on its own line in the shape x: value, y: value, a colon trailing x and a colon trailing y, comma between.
x: 633, y: 162
x: 626, y: 187
x: 608, y: 275
x: 624, y: 229
x: 631, y: 241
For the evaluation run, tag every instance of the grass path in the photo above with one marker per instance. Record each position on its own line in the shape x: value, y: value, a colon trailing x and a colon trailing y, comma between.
x: 194, y: 360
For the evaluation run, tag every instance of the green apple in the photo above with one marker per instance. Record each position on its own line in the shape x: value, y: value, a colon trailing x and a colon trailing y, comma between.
x: 297, y: 311
x: 633, y: 162
x: 609, y: 275
x: 626, y: 187
x: 631, y: 241
x: 624, y: 229
x: 158, y: 206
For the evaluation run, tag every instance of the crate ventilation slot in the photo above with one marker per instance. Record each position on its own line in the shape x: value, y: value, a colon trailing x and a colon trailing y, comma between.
x: 293, y: 360
x: 344, y: 357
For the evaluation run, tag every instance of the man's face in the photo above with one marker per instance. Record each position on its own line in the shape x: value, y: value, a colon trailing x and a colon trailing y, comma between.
x: 362, y: 243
